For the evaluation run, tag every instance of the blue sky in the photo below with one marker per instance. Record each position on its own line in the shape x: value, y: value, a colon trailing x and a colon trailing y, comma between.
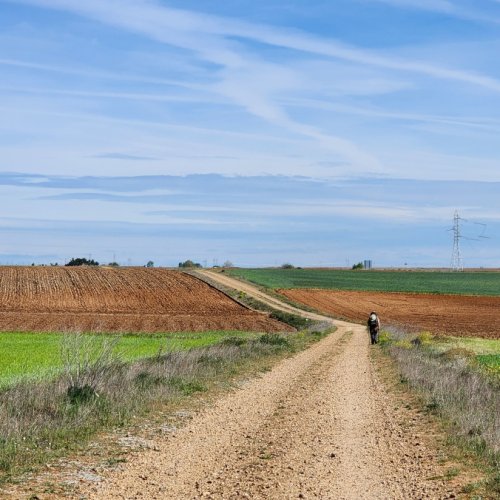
x: 320, y: 133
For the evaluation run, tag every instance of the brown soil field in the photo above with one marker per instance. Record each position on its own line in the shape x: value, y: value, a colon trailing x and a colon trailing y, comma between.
x: 440, y: 314
x: 118, y: 300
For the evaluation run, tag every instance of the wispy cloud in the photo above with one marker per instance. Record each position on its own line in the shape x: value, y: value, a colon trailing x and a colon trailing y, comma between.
x: 175, y: 98
x: 123, y: 156
x: 173, y: 26
x: 459, y: 9
x: 432, y: 5
x: 275, y: 196
x: 92, y: 73
x: 472, y: 122
x: 441, y: 5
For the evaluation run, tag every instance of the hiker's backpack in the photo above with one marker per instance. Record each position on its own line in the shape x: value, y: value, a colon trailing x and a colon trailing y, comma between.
x: 373, y: 320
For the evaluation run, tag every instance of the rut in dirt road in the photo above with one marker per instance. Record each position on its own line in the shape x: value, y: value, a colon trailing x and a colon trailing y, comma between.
x: 317, y: 426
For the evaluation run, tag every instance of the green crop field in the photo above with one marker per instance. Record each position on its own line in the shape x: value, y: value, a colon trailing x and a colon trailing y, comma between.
x: 464, y: 283
x: 38, y: 355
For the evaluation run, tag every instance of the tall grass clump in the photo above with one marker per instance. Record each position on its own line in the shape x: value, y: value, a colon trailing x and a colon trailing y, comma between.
x: 87, y: 364
x: 97, y: 389
x: 454, y: 388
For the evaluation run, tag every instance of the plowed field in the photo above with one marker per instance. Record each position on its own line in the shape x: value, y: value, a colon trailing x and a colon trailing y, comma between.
x: 126, y: 300
x: 440, y: 314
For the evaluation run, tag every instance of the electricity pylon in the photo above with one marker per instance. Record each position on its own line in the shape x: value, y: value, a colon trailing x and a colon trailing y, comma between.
x: 456, y: 259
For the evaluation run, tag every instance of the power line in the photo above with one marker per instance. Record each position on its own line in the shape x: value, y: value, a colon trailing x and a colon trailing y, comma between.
x: 484, y: 226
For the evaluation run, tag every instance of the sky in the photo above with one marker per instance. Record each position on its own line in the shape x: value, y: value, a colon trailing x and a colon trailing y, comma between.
x: 317, y: 133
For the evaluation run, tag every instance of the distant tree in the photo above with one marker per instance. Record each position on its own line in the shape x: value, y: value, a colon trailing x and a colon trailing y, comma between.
x: 81, y: 261
x: 190, y: 264
x: 114, y: 264
x: 287, y: 265
x: 150, y: 264
x: 228, y: 263
x: 359, y: 265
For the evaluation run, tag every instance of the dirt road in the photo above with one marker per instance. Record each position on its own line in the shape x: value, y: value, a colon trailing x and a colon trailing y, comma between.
x: 253, y: 291
x: 319, y: 425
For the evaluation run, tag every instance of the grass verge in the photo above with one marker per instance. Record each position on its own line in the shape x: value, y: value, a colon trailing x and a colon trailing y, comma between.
x: 98, y: 389
x: 455, y: 386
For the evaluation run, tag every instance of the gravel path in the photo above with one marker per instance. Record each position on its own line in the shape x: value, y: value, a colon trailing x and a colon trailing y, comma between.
x: 253, y: 291
x: 319, y: 425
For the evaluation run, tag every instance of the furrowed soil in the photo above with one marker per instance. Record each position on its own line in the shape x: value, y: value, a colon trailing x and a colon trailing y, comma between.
x: 97, y: 299
x: 441, y: 314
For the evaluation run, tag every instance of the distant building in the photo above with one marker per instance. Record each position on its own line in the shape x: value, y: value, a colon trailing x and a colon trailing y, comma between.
x: 367, y: 264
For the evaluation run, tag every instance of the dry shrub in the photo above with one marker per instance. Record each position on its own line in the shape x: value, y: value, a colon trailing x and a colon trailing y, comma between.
x: 88, y: 362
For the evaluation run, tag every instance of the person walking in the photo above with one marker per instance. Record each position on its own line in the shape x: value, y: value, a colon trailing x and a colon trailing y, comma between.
x: 373, y: 327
